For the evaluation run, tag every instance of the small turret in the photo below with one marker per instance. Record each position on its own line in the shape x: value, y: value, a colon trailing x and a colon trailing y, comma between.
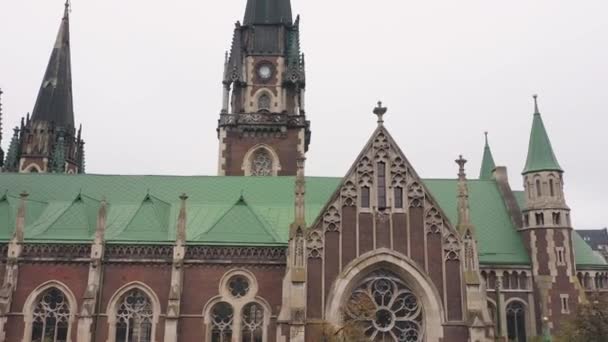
x: 547, y: 230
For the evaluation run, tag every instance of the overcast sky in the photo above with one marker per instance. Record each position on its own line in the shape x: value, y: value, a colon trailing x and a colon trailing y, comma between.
x: 147, y: 82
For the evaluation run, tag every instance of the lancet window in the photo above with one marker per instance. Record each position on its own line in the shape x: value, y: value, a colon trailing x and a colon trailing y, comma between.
x: 51, y: 317
x: 134, y: 317
x: 516, y: 321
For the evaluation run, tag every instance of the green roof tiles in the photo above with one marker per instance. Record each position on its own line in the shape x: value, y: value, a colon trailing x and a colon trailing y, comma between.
x: 240, y: 224
x: 499, y: 241
x: 144, y: 209
x: 540, y: 152
x: 487, y: 163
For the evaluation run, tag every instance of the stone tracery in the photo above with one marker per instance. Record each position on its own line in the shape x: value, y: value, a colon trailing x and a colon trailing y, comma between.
x: 385, y: 309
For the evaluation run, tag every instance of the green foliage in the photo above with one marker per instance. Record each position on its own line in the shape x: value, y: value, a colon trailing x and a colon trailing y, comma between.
x: 590, y: 324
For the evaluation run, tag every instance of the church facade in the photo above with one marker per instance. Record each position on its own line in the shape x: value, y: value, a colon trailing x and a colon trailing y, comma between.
x: 263, y: 253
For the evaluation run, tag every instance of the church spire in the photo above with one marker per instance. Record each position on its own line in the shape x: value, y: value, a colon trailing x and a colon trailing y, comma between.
x: 487, y: 163
x: 54, y: 102
x: 268, y: 12
x: 540, y: 152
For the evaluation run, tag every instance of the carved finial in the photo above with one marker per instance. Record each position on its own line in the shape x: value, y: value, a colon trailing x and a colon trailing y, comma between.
x: 183, y: 197
x: 461, y: 171
x: 24, y: 195
x: 380, y: 111
x: 486, y: 134
x: 536, y: 111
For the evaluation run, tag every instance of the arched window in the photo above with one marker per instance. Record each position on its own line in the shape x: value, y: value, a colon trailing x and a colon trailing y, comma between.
x: 523, y: 281
x: 237, y: 314
x: 253, y: 323
x: 51, y: 317
x: 539, y: 191
x: 264, y: 102
x: 261, y: 163
x: 222, y: 318
x: 134, y: 317
x: 551, y: 187
x: 506, y: 284
x: 516, y: 321
x: 385, y: 308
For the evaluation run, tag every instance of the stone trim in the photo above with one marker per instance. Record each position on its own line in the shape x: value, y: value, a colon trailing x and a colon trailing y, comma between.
x: 115, y: 299
x: 417, y: 279
x: 32, y: 299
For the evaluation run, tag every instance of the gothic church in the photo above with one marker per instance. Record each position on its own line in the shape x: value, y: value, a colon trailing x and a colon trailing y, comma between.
x: 260, y: 252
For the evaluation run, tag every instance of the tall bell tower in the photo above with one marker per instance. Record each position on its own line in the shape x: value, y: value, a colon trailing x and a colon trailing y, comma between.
x: 262, y: 128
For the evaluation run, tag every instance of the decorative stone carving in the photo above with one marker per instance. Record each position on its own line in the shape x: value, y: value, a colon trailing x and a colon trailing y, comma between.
x: 365, y: 170
x: 262, y: 163
x: 398, y: 173
x: 381, y: 147
x: 349, y: 194
x: 433, y: 221
x: 331, y: 219
x: 451, y: 247
x: 315, y: 245
x: 415, y: 195
x: 383, y: 215
x: 56, y: 251
x: 263, y: 119
x: 250, y: 254
x: 126, y: 252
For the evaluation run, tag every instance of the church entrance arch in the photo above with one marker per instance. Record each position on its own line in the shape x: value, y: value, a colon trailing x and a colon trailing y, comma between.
x: 388, y: 297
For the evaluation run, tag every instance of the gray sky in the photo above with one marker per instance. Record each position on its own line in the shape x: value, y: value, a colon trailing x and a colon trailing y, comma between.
x: 147, y: 82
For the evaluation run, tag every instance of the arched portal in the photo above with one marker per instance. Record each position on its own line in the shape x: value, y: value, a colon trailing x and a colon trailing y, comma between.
x: 389, y: 297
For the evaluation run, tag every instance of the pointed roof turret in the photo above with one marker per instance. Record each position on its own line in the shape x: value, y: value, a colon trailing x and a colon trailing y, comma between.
x: 54, y: 102
x: 268, y: 12
x: 487, y: 163
x: 540, y: 152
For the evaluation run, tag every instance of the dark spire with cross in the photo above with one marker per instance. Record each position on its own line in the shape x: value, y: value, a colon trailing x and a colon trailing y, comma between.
x: 380, y: 111
x: 54, y: 102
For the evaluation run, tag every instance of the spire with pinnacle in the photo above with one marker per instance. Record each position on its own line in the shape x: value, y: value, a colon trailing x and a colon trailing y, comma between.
x: 487, y: 163
x: 260, y: 12
x: 540, y: 152
x: 54, y: 102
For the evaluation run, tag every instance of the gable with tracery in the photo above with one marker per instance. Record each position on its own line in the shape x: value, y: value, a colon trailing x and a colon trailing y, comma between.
x: 382, y: 204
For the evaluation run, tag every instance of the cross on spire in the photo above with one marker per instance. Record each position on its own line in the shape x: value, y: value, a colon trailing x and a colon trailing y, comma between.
x: 380, y: 111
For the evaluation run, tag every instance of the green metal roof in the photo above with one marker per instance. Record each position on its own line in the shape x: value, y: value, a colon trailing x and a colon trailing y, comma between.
x: 144, y: 209
x: 540, y: 152
x: 487, y: 163
x: 251, y: 211
x: 499, y: 241
x: 583, y: 254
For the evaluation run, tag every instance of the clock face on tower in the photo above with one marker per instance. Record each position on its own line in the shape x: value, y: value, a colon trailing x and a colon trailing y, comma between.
x: 265, y: 71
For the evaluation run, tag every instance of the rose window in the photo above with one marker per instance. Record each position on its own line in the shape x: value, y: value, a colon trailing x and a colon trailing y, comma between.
x: 385, y: 309
x: 238, y: 286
